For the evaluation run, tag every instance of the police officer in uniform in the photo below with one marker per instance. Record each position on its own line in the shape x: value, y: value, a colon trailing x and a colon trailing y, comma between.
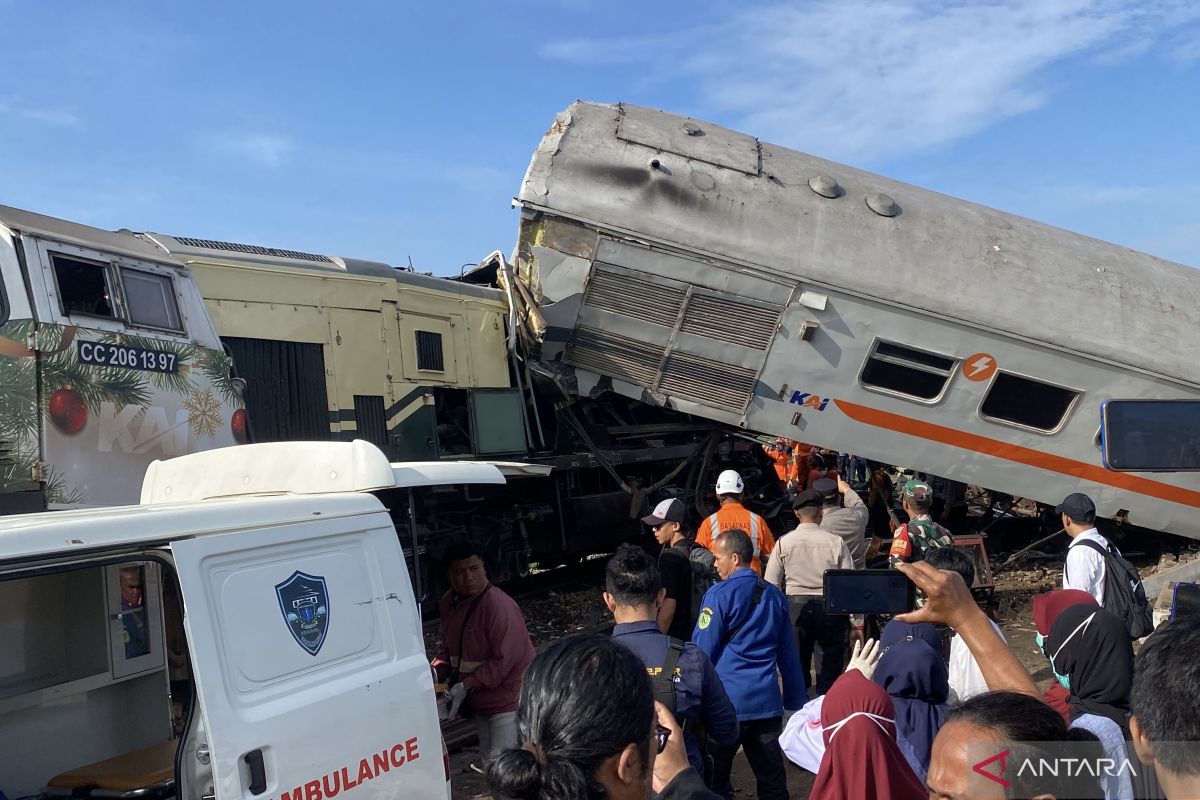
x: 798, y: 569
x: 745, y: 630
x: 684, y: 679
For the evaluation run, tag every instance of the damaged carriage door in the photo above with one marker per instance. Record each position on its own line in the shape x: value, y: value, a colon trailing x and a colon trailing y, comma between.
x: 310, y: 666
x: 1150, y: 435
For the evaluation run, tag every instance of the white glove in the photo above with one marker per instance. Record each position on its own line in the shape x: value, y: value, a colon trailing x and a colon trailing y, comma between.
x: 865, y: 657
x: 457, y: 694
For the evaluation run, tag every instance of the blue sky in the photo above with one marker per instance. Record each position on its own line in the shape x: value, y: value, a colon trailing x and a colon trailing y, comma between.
x: 389, y: 130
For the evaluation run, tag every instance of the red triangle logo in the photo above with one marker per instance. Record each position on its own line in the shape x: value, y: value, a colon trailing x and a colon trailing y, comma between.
x: 1003, y: 759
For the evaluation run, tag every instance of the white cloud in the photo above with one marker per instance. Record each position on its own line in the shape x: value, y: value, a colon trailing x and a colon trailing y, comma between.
x: 480, y: 177
x: 50, y: 116
x: 859, y: 79
x: 263, y: 149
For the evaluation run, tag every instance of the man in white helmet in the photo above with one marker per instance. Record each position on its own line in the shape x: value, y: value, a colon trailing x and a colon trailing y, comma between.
x: 733, y: 515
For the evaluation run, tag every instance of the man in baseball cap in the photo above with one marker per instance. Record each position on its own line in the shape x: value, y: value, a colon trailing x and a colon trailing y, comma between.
x: 733, y: 515
x: 670, y: 510
x: 920, y: 534
x: 1083, y: 568
x: 677, y: 614
x: 1077, y: 506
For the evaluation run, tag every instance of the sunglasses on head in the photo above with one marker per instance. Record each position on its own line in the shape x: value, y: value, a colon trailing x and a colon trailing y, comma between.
x: 662, y: 734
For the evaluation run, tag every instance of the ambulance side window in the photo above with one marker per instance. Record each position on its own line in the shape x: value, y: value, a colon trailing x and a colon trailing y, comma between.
x: 83, y: 286
x: 135, y: 618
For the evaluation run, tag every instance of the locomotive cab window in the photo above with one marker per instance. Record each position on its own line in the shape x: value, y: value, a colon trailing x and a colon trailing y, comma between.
x: 429, y: 352
x: 150, y: 298
x: 83, y: 286
x: 906, y: 371
x: 1027, y: 403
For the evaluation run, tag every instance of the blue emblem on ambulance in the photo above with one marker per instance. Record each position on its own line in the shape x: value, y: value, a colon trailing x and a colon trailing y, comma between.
x: 304, y: 601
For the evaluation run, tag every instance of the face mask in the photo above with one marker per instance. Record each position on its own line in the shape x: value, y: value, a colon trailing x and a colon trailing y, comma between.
x: 1064, y: 680
x: 833, y: 729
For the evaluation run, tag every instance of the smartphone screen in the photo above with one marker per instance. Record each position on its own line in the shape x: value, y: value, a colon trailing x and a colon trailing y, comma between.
x: 868, y: 591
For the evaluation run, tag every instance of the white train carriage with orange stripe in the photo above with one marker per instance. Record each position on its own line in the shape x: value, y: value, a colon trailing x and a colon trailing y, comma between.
x: 698, y: 268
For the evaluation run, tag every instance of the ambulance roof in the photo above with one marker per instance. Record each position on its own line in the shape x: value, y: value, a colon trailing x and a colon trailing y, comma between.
x: 299, y: 468
x: 52, y: 534
x: 231, y: 488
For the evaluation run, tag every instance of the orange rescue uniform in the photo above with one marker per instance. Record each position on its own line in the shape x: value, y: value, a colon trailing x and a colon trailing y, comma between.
x: 781, y: 459
x: 735, y: 515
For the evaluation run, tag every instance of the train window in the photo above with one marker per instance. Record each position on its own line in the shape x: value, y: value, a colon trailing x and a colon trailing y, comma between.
x: 429, y: 351
x: 1017, y: 400
x: 150, y: 298
x: 83, y: 286
x: 907, y: 371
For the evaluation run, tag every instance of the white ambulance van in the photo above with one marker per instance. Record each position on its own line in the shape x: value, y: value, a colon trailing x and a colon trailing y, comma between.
x: 248, y: 631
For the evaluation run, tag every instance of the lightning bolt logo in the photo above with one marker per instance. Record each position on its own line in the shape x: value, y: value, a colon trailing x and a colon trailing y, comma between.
x: 979, y: 367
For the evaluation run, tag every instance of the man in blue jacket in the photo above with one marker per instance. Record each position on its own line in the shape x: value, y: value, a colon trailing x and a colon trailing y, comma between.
x: 745, y: 630
x: 633, y: 593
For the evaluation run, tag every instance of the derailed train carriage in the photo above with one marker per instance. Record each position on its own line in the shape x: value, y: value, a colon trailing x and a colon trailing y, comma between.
x: 677, y: 292
x: 694, y: 268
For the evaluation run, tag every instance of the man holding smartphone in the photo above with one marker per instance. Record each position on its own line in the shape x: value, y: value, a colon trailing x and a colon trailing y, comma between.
x: 797, y: 568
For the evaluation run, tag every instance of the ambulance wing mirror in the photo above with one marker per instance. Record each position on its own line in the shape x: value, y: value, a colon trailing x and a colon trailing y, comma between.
x: 1150, y: 435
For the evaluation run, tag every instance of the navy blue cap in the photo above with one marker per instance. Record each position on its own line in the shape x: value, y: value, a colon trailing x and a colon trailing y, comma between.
x: 1077, y: 506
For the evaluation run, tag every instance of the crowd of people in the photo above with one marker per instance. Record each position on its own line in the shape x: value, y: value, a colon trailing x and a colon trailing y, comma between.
x: 723, y: 642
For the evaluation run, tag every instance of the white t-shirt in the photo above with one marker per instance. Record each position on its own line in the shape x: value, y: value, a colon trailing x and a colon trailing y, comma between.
x: 1084, y: 567
x: 966, y: 679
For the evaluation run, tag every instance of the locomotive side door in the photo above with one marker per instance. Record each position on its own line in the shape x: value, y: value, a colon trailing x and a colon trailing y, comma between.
x: 20, y: 439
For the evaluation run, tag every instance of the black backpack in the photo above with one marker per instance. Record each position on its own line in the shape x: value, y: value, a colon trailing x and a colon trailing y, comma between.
x: 1124, y: 595
x: 704, y: 572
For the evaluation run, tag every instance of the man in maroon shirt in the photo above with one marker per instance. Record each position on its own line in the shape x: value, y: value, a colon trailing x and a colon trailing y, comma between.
x: 484, y: 651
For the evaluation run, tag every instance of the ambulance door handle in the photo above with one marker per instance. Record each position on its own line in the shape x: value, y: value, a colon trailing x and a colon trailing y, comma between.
x: 258, y: 773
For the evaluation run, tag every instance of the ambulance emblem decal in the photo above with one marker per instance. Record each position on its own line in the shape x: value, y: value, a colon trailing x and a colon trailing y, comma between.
x: 304, y: 601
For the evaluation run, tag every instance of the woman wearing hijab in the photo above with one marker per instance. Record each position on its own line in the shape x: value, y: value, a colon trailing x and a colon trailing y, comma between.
x: 862, y: 760
x: 915, y: 677
x: 1092, y: 658
x: 1046, y: 608
x: 896, y: 631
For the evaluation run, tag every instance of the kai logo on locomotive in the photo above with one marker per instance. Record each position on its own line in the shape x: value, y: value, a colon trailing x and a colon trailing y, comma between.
x: 809, y: 400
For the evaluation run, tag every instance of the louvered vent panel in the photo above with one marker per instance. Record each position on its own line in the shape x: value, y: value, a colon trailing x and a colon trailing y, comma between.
x: 233, y: 247
x: 612, y: 291
x: 708, y: 381
x: 730, y: 321
x: 616, y: 356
